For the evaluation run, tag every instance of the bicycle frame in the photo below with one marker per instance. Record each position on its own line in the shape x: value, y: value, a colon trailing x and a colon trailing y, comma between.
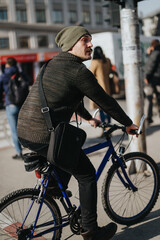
x: 109, y: 152
x: 66, y: 201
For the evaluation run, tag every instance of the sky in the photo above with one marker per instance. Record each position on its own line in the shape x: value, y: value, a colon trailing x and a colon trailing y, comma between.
x: 147, y: 7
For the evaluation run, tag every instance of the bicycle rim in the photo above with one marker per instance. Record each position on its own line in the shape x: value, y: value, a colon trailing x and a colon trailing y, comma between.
x: 122, y: 204
x: 13, y: 209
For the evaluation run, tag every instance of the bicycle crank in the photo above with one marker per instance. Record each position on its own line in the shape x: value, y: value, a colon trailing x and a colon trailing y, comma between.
x: 75, y: 222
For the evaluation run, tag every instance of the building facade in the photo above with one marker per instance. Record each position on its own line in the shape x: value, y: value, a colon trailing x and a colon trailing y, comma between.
x: 28, y: 27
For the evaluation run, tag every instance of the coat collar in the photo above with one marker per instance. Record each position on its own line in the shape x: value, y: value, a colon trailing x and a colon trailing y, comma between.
x: 69, y: 57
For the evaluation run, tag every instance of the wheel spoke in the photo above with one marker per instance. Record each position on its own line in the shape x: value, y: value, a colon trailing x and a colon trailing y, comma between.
x: 14, y: 207
x: 121, y: 203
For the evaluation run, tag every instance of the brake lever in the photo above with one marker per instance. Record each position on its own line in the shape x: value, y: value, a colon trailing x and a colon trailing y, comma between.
x: 139, y: 131
x: 141, y: 124
x: 95, y: 113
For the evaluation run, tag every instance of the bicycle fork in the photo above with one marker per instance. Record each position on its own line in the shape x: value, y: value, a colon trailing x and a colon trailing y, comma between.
x: 124, y: 179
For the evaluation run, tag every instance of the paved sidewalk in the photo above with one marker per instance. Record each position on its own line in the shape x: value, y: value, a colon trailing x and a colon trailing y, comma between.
x: 5, y: 133
x: 13, y: 176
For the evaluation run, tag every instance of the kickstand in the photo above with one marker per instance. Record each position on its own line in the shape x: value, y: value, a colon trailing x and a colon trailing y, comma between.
x: 69, y: 236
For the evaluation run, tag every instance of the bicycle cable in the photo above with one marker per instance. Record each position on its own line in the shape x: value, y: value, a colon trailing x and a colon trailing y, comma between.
x: 69, y: 236
x: 129, y: 143
x: 121, y: 140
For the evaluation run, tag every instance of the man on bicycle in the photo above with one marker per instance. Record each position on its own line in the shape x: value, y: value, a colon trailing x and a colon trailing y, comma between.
x: 66, y: 81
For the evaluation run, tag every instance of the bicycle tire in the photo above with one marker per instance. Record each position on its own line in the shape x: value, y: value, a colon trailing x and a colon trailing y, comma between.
x: 123, y: 205
x: 13, y: 209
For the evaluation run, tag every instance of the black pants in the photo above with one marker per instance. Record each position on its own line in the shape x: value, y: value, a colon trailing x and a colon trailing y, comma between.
x: 150, y: 107
x: 150, y: 103
x: 86, y: 177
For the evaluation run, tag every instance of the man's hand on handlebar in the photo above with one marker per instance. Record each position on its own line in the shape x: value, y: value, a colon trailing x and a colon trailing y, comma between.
x: 132, y: 129
x: 94, y: 122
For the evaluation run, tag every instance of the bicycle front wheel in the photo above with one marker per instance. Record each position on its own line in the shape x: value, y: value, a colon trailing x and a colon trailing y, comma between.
x: 22, y: 206
x: 121, y: 203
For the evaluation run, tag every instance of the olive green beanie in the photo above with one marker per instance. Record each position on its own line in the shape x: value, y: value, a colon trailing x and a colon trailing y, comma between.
x: 68, y: 37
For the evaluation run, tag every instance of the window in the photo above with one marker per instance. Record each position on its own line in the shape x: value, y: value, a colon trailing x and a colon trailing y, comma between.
x: 21, y: 15
x: 42, y: 41
x: 72, y: 16
x: 40, y: 11
x: 3, y: 14
x: 23, y: 42
x: 39, y: 2
x: 19, y: 2
x: 98, y: 17
x: 86, y: 14
x: 57, y: 12
x: 40, y: 15
x: 57, y: 16
x: 86, y: 17
x: 72, y: 13
x: 4, y: 43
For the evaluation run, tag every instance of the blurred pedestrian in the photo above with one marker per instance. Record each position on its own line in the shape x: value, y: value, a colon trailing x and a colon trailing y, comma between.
x: 114, y: 80
x: 12, y: 109
x: 101, y: 68
x: 1, y: 96
x: 152, y: 77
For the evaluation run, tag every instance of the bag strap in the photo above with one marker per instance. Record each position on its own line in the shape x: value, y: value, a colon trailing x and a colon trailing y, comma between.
x: 45, y: 109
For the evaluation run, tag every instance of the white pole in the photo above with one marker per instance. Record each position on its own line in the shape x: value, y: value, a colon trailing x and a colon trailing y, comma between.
x: 132, y: 71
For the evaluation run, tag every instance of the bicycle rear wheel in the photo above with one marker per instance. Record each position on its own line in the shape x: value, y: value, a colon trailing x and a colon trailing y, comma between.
x: 13, y: 210
x: 122, y: 204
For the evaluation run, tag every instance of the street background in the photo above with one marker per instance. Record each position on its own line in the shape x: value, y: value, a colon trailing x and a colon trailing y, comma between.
x: 13, y: 176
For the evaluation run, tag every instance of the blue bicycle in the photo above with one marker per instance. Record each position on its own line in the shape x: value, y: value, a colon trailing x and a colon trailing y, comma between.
x: 130, y: 190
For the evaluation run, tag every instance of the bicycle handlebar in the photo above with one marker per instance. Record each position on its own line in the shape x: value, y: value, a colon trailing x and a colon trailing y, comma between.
x: 114, y: 127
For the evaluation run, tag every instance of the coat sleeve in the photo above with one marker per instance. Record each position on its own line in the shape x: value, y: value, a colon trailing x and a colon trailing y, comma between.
x: 82, y: 112
x: 88, y: 85
x: 151, y: 65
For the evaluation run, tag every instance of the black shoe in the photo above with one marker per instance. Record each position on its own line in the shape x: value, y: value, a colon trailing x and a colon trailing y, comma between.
x: 18, y: 156
x: 149, y: 120
x: 101, y: 233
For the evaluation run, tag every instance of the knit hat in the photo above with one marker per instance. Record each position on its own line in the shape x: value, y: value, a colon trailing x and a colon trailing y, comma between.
x: 68, y: 37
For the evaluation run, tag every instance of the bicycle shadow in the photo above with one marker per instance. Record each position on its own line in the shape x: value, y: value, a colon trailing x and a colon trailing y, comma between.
x: 151, y: 129
x: 145, y: 230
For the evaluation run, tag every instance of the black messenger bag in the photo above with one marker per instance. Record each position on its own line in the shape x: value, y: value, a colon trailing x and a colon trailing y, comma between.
x: 66, y: 140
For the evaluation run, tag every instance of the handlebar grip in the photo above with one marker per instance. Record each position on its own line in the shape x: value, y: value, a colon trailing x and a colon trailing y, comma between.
x: 134, y: 131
